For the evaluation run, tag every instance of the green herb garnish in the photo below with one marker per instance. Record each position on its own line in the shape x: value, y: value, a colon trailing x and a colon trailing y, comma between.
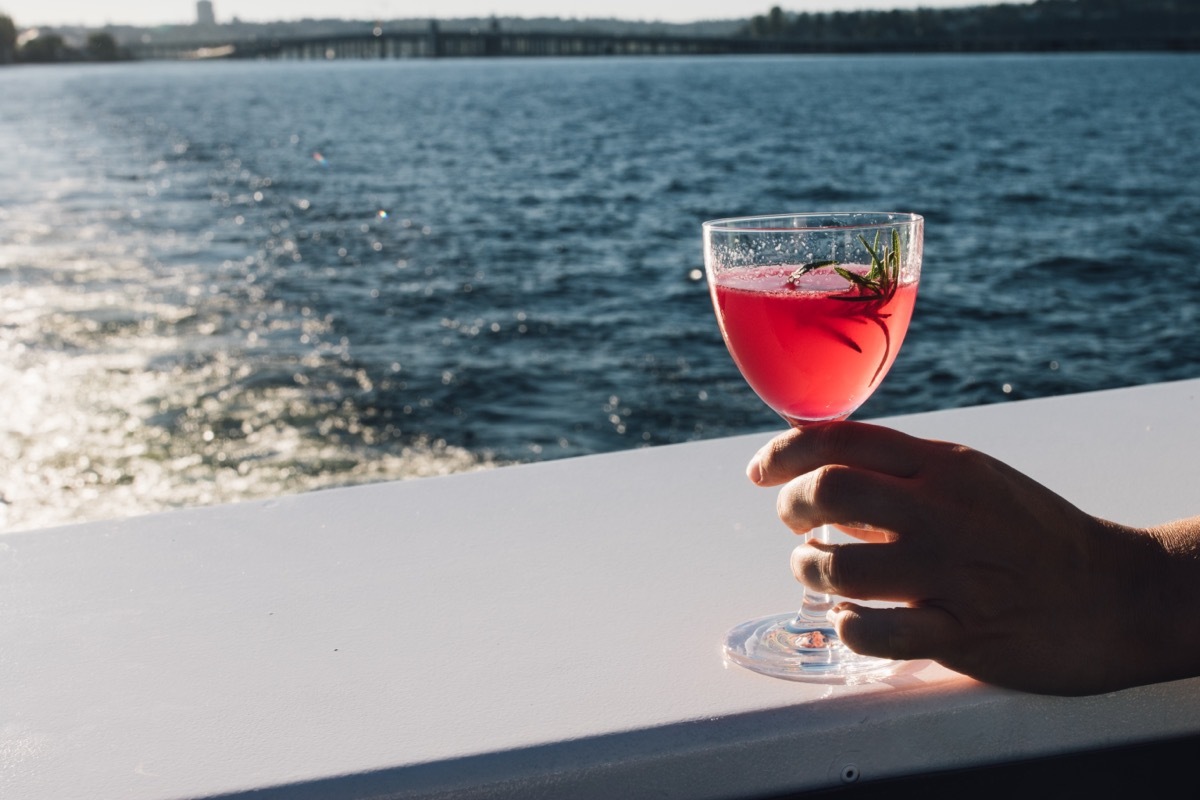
x: 881, y: 279
x: 877, y: 286
x: 800, y: 272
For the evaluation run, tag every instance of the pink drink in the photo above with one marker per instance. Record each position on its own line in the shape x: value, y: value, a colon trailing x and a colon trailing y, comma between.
x: 813, y: 350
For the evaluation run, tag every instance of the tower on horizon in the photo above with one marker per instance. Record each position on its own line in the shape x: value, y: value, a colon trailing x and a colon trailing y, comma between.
x: 204, y: 13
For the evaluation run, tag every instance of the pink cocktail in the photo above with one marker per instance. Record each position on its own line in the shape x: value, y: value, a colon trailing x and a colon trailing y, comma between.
x: 806, y: 350
x: 813, y: 309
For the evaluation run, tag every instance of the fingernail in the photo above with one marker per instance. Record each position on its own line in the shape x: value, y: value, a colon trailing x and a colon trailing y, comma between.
x: 754, y: 471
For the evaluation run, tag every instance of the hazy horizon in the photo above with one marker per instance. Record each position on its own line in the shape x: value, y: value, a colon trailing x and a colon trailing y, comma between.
x: 86, y: 13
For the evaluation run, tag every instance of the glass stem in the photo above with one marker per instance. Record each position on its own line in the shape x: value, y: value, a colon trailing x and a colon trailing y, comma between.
x: 814, y: 608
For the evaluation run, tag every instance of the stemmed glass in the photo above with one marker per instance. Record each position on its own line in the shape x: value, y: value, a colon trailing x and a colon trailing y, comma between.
x: 813, y: 308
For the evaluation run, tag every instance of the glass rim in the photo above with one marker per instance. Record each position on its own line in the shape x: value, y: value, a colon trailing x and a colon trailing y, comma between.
x: 761, y: 222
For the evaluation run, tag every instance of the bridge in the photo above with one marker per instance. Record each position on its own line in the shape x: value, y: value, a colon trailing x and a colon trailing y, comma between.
x: 493, y: 42
x: 436, y: 43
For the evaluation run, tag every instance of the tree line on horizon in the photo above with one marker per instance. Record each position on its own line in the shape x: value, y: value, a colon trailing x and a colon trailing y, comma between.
x: 52, y: 48
x: 1043, y: 24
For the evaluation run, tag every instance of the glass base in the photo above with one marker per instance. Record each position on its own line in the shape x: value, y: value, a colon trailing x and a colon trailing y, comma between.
x: 810, y: 652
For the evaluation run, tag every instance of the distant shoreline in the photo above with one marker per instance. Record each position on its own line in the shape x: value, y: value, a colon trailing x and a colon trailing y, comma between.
x: 1047, y: 26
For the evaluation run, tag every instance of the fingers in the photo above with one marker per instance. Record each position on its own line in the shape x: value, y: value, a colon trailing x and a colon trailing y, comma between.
x: 854, y: 444
x: 852, y: 498
x: 897, y: 633
x: 876, y: 571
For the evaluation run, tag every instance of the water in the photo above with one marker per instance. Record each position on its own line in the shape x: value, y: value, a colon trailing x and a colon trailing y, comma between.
x: 224, y: 281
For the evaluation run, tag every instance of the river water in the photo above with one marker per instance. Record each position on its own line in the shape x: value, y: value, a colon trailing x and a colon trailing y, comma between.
x: 224, y: 281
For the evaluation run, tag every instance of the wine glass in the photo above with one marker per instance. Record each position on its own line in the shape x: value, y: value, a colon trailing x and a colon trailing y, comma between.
x: 813, y: 308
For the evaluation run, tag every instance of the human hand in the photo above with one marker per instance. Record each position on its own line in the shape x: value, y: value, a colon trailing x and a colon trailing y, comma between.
x: 1001, y: 579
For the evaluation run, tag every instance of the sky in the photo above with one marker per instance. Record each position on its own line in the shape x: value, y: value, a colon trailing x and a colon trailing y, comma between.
x: 95, y: 13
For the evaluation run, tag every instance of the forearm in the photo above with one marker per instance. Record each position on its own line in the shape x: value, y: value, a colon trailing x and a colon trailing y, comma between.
x: 1179, y: 605
x: 1181, y: 538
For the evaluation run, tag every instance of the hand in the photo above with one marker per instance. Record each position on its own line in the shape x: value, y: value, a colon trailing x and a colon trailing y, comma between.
x: 1000, y: 578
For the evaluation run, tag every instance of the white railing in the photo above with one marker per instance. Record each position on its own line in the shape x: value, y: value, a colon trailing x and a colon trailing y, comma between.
x: 548, y: 630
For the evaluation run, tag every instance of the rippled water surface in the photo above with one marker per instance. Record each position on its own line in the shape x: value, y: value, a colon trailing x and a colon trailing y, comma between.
x: 223, y: 281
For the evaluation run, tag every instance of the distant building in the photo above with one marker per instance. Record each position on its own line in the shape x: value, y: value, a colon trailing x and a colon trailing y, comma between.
x: 204, y: 13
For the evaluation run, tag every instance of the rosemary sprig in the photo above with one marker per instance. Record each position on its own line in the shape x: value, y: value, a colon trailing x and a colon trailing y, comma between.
x: 877, y: 286
x: 800, y: 272
x: 881, y: 279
